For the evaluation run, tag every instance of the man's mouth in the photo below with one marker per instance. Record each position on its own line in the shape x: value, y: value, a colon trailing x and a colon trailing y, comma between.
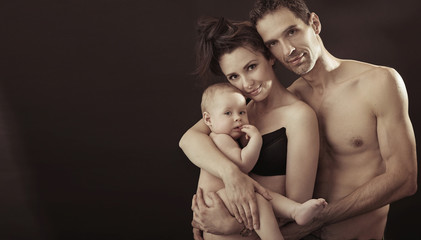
x: 295, y: 60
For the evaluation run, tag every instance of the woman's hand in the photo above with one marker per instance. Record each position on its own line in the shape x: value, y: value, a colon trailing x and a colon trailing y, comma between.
x: 241, y: 193
x: 214, y: 219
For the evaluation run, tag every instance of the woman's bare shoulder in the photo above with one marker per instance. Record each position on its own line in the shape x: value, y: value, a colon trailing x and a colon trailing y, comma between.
x: 299, y: 111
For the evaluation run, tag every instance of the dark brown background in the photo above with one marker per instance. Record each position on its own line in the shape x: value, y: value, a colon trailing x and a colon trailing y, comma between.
x: 95, y: 95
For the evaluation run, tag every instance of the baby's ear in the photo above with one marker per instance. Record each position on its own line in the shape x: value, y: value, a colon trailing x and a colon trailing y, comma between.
x: 207, y: 119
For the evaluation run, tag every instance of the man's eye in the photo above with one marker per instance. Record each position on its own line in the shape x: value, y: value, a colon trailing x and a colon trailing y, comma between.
x: 291, y: 32
x: 251, y: 67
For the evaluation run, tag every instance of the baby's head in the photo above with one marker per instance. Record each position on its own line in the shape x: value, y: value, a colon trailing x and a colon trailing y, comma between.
x: 224, y: 109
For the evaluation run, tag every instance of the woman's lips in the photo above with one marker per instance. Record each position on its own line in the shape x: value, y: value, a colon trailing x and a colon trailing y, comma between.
x: 255, y: 91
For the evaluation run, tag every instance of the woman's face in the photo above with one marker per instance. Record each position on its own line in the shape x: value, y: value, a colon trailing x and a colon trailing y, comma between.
x: 249, y: 71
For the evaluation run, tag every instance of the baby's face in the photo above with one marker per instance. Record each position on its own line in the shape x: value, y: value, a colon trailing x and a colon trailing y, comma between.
x: 228, y: 113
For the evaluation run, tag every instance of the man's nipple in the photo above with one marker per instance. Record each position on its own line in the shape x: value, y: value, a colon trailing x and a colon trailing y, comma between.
x: 357, y: 142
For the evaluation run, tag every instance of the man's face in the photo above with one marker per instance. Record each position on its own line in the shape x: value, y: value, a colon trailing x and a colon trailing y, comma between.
x: 294, y: 43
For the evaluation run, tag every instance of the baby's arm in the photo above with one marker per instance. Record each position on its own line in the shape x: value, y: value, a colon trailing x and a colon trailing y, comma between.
x: 244, y: 158
x: 250, y: 153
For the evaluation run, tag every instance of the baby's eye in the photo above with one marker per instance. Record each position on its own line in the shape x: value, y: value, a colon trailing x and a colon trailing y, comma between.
x: 243, y: 112
x: 228, y: 113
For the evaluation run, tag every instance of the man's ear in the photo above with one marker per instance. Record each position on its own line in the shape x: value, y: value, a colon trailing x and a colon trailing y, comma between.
x: 272, y: 60
x: 314, y: 22
x: 206, y: 119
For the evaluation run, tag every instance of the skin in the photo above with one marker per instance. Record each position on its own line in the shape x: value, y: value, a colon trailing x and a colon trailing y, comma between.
x: 227, y: 119
x: 367, y: 151
x: 271, y: 108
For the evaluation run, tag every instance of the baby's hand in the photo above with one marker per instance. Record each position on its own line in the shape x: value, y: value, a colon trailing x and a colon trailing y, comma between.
x: 250, y: 131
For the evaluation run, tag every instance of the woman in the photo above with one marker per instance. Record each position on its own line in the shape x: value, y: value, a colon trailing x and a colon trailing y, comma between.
x: 288, y: 158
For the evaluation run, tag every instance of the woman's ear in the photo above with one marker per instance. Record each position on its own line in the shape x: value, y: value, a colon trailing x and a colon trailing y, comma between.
x: 207, y: 119
x: 314, y: 22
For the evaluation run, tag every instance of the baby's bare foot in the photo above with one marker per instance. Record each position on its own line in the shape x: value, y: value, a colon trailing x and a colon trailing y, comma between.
x: 308, y: 210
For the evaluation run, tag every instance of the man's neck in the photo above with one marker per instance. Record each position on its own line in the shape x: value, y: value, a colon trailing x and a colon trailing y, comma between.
x: 323, y: 72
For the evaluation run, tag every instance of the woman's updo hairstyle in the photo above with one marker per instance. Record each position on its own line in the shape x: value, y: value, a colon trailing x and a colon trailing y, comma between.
x: 217, y: 37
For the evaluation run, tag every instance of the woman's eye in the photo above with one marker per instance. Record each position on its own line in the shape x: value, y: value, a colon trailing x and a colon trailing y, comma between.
x: 232, y: 77
x: 271, y: 44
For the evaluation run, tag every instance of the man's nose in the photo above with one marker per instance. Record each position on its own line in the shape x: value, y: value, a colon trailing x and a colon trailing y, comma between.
x: 287, y: 49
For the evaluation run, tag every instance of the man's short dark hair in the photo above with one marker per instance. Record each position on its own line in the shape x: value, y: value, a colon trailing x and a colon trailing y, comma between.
x: 263, y: 7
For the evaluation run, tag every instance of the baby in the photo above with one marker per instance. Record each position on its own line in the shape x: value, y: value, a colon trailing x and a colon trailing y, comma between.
x: 224, y: 111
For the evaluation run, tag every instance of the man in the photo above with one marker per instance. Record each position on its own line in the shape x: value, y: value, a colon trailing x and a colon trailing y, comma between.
x: 367, y: 155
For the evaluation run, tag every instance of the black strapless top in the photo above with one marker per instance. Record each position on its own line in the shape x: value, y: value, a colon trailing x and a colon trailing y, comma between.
x: 273, y: 154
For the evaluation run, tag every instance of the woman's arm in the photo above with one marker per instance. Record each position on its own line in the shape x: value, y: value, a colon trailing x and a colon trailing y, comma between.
x: 303, y: 153
x: 200, y: 149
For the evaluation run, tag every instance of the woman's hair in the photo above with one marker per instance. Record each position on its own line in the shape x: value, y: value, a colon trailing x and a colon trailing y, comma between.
x: 263, y: 7
x: 217, y: 37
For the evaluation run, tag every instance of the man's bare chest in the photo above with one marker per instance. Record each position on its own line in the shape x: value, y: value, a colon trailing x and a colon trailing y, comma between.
x: 346, y: 123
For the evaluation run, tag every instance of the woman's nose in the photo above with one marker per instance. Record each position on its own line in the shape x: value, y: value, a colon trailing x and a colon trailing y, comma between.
x: 247, y: 82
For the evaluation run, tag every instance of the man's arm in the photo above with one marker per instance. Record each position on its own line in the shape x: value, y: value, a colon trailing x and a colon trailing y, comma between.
x: 397, y: 147
x: 200, y: 149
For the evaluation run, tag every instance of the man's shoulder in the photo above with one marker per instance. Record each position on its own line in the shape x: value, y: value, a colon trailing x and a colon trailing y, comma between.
x: 363, y: 70
x: 369, y: 75
x: 379, y: 84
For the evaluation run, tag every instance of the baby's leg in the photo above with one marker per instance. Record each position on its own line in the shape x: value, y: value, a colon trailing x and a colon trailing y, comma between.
x: 269, y: 228
x: 305, y: 212
x: 301, y: 213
